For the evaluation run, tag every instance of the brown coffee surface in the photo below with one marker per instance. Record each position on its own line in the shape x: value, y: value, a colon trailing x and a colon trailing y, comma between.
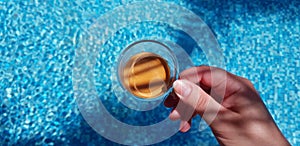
x: 146, y: 75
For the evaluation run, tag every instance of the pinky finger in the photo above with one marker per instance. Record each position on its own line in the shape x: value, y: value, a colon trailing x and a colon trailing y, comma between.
x: 185, y: 126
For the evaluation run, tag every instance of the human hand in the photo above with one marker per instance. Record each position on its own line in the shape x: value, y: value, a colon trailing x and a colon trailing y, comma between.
x: 233, y: 109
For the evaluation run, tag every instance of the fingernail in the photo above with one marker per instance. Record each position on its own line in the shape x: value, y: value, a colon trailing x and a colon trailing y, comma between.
x: 174, y: 115
x: 184, y: 126
x: 182, y: 88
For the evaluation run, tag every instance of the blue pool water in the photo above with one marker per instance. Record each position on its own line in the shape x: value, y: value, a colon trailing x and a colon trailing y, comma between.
x: 260, y: 40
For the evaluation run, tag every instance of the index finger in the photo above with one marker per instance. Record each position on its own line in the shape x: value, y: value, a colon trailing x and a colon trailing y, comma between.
x: 220, y: 82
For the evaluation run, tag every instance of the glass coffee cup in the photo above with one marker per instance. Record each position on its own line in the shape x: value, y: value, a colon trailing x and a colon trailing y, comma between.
x: 147, y: 70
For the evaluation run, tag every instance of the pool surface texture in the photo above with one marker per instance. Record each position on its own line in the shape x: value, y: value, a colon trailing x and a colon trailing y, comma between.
x: 260, y: 40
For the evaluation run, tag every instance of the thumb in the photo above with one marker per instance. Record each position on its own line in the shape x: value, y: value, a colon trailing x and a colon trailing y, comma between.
x: 194, y: 99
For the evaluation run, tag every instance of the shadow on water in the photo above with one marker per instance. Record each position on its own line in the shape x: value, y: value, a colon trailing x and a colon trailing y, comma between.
x: 219, y: 12
x: 185, y: 41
